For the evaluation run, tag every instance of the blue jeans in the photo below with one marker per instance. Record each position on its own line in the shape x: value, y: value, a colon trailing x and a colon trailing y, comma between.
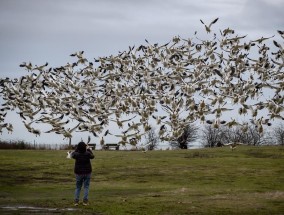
x: 80, y: 180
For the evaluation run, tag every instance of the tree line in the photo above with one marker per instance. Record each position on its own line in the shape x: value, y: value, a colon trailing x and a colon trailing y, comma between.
x: 207, y: 137
x: 23, y: 145
x: 210, y: 137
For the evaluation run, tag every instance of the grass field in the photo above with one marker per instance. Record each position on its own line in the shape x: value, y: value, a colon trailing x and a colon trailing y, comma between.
x: 249, y: 180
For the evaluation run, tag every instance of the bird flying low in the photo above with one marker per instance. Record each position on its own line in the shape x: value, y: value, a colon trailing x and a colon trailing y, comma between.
x: 69, y: 154
x: 233, y: 145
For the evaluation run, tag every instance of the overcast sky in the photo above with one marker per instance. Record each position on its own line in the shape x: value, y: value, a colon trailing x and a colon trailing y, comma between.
x: 49, y: 31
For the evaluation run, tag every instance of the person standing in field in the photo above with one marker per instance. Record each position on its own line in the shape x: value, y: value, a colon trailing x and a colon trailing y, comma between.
x: 82, y: 170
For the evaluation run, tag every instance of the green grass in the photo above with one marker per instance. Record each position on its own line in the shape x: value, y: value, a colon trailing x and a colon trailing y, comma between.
x: 248, y: 180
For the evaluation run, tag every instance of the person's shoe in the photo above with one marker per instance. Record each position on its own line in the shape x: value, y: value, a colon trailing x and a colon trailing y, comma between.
x: 76, y: 203
x: 85, y: 202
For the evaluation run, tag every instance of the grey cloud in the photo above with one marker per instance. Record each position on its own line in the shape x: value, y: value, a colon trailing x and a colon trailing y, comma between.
x: 259, y: 17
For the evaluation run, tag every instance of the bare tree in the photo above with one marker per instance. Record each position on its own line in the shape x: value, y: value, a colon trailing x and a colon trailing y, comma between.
x: 211, y: 136
x: 269, y: 138
x: 278, y: 133
x: 190, y: 134
x: 252, y: 136
x: 237, y: 134
x: 152, y: 139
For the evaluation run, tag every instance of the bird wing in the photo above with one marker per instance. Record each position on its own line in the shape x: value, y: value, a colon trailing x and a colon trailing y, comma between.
x: 89, y: 139
x: 213, y: 22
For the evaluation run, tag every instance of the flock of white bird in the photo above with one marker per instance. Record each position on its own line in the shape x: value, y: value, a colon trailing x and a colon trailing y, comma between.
x: 175, y: 84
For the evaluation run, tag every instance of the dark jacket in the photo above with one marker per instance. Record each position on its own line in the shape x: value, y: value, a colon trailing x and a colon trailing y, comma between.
x: 82, y: 164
